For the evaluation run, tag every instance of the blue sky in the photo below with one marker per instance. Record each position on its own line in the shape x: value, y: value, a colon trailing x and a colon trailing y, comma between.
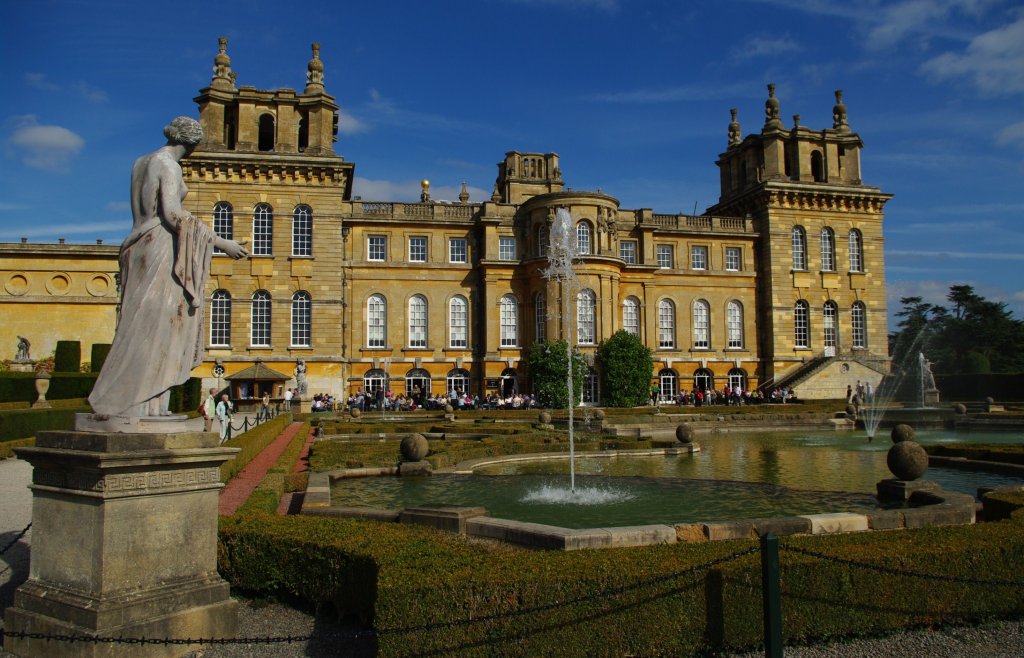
x: 633, y: 95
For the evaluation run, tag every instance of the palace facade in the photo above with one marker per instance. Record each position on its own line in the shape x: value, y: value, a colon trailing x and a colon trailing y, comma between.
x: 781, y: 282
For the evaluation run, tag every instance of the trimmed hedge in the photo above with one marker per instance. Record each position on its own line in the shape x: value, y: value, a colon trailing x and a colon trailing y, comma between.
x: 21, y: 386
x: 7, y: 447
x: 20, y: 424
x: 252, y: 443
x: 98, y: 356
x: 186, y: 397
x: 966, y: 387
x: 1001, y: 505
x: 68, y: 356
x: 267, y: 495
x: 417, y: 579
x: 1010, y: 453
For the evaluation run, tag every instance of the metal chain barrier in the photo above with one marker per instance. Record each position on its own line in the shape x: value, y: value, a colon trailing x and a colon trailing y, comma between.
x: 15, y: 540
x: 613, y: 591
x: 892, y: 571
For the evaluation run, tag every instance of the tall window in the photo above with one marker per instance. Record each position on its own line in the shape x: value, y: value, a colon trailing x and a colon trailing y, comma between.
x: 733, y: 259
x: 666, y: 324
x: 417, y: 321
x: 583, y: 238
x: 830, y: 326
x: 627, y: 251
x: 664, y: 255
x: 376, y: 321
x: 376, y: 247
x: 801, y: 324
x: 458, y: 322
x: 799, y: 248
x: 375, y: 380
x: 585, y: 306
x: 457, y: 250
x: 543, y: 240
x: 263, y: 230
x: 418, y: 249
x: 856, y: 251
x: 220, y: 318
x: 458, y: 380
x: 506, y: 248
x: 701, y: 325
x: 223, y: 222
x: 859, y: 317
x: 591, y: 387
x: 266, y: 133
x: 738, y: 379
x: 668, y: 384
x: 302, y: 319
x: 260, y: 317
x: 703, y: 379
x: 540, y: 315
x: 828, y: 250
x: 631, y: 315
x: 698, y: 258
x: 302, y: 231
x: 509, y: 318
x: 734, y: 324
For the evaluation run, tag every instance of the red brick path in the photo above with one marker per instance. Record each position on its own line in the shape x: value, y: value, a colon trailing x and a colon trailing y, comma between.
x: 237, y: 491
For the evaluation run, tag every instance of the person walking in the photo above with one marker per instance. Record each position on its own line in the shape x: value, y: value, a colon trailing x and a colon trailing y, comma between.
x: 209, y: 410
x: 264, y: 407
x: 224, y: 411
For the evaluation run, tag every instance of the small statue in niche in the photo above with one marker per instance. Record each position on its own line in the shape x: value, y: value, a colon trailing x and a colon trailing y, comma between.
x: 22, y: 354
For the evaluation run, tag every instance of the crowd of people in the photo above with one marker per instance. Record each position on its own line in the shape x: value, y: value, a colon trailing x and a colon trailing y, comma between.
x: 729, y: 396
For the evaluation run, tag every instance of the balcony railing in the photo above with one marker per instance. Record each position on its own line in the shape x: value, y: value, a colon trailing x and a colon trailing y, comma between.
x: 703, y: 223
x: 415, y: 210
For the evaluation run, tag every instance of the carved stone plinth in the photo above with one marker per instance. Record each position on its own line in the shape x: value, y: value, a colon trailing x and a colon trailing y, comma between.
x: 124, y: 543
x: 174, y: 424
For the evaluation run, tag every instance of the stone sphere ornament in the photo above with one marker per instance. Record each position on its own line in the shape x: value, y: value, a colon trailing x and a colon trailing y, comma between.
x: 851, y: 411
x: 959, y: 409
x: 544, y: 418
x: 414, y: 448
x: 355, y: 413
x: 448, y: 409
x: 902, y: 432
x: 684, y: 433
x: 907, y: 460
x: 599, y: 414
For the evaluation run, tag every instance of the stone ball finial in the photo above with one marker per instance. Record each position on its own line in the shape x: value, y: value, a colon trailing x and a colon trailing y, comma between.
x: 959, y: 409
x: 355, y: 412
x: 684, y: 433
x: 902, y: 432
x: 414, y: 448
x: 839, y: 114
x: 544, y: 418
x: 771, y: 109
x: 735, y: 132
x: 851, y: 410
x: 315, y: 71
x: 907, y: 460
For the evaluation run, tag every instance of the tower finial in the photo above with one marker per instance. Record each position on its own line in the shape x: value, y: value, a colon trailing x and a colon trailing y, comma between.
x: 735, y: 134
x: 315, y: 72
x: 464, y: 193
x: 223, y: 76
x: 771, y: 110
x: 839, y: 114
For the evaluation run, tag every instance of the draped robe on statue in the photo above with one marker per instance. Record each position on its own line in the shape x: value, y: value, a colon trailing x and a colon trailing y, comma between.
x: 164, y: 263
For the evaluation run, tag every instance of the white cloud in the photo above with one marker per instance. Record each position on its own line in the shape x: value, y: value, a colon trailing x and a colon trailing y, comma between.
x: 765, y: 47
x: 84, y: 89
x: 87, y: 229
x: 993, y: 61
x: 49, y: 148
x: 1012, y: 134
x: 972, y: 255
x: 92, y: 94
x: 118, y: 206
x: 39, y: 81
x: 349, y: 124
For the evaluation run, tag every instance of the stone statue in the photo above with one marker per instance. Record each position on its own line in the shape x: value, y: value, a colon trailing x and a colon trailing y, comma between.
x: 22, y: 354
x: 300, y: 378
x: 164, y: 264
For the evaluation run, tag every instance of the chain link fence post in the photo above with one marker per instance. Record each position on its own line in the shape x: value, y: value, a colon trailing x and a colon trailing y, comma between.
x: 772, y: 596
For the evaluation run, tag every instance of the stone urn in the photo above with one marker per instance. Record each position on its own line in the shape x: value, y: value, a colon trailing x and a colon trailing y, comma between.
x: 414, y: 448
x: 684, y: 433
x: 907, y: 460
x: 42, y: 386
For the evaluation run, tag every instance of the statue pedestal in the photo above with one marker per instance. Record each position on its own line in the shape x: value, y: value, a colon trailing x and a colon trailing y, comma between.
x: 124, y: 543
x: 22, y: 366
x: 931, y: 397
x: 174, y: 424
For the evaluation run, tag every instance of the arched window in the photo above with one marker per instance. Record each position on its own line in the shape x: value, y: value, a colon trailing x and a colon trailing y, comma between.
x: 260, y: 319
x: 302, y: 319
x: 540, y: 316
x: 220, y: 318
x: 668, y: 384
x: 738, y: 379
x: 458, y: 380
x: 631, y: 315
x: 817, y: 167
x: 799, y: 248
x: 856, y: 251
x: 266, y: 136
x: 302, y: 231
x: 417, y: 383
x: 509, y: 318
x: 585, y: 307
x: 458, y: 322
x: 376, y: 321
x: 734, y: 324
x: 583, y: 238
x: 830, y: 327
x: 262, y: 230
x: 703, y: 379
x: 543, y: 240
x: 859, y: 318
x: 666, y: 324
x: 223, y: 222
x: 828, y: 250
x: 417, y: 321
x: 591, y: 387
x: 374, y: 380
x: 303, y: 142
x: 701, y: 325
x: 801, y: 324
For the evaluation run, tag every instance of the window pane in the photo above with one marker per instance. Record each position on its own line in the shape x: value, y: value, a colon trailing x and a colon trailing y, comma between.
x: 664, y: 255
x: 220, y: 318
x: 509, y: 321
x: 585, y: 302
x: 698, y: 258
x: 631, y: 316
x: 701, y: 322
x: 860, y: 326
x: 583, y: 238
x: 541, y: 316
x: 732, y: 259
x: 799, y: 248
x: 260, y: 334
x: 262, y: 230
x: 506, y: 248
x: 666, y: 324
x: 801, y: 324
x: 301, y: 319
x: 375, y: 247
x: 856, y: 252
x: 458, y: 322
x: 223, y: 223
x: 734, y: 322
x: 830, y: 320
x: 543, y: 240
x: 376, y: 321
x: 457, y: 250
x: 302, y: 231
x: 828, y: 250
x: 417, y: 322
x: 418, y: 250
x: 627, y: 251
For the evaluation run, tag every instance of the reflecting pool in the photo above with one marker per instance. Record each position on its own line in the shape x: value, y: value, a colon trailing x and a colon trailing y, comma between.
x: 734, y: 476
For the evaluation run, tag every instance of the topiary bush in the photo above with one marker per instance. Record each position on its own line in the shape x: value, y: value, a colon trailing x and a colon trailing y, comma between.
x: 68, y: 356
x: 99, y: 356
x: 626, y: 367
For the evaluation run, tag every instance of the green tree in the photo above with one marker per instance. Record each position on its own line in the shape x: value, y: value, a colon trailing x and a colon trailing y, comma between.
x: 626, y: 366
x: 549, y: 367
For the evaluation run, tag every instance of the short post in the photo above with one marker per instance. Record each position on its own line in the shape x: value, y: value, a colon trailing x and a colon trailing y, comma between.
x: 771, y: 593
